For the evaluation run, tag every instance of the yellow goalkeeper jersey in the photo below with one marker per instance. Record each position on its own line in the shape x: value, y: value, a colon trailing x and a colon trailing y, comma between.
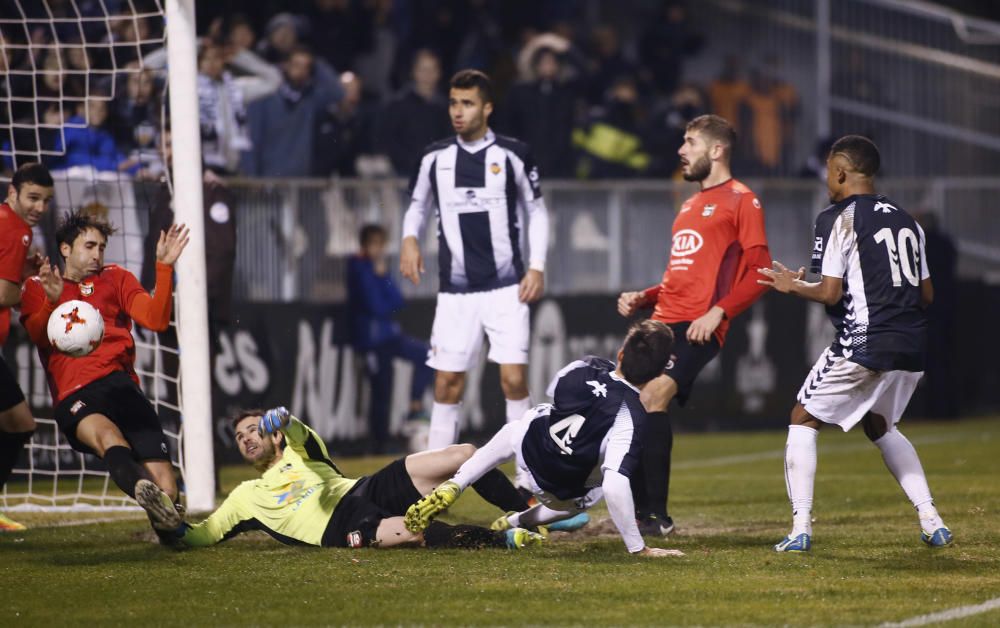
x: 292, y: 501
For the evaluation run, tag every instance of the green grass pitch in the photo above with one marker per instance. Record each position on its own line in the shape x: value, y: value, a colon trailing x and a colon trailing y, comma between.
x: 728, y: 498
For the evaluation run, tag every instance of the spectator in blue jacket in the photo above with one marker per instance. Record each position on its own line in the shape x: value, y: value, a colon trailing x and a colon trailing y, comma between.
x: 88, y: 142
x: 373, y: 299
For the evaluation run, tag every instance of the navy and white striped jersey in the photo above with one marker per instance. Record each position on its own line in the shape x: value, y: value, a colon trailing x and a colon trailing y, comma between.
x: 595, y: 423
x: 481, y: 191
x: 878, y: 250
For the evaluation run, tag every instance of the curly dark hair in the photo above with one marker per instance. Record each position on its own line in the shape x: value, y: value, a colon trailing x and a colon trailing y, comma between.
x: 76, y: 223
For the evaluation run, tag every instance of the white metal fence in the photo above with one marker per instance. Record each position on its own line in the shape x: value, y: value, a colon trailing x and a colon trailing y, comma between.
x: 295, y: 235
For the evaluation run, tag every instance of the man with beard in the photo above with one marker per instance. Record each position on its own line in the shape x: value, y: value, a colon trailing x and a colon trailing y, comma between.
x: 718, y: 243
x: 302, y: 498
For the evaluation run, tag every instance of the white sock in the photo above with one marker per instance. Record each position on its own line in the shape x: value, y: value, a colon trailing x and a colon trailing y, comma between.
x: 516, y: 408
x: 538, y: 515
x: 515, y: 412
x: 800, y: 475
x: 490, y: 456
x: 904, y: 464
x: 444, y: 425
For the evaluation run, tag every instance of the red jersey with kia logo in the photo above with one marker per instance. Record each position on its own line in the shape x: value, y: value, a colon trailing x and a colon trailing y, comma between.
x: 15, y: 240
x: 115, y: 292
x: 711, y: 232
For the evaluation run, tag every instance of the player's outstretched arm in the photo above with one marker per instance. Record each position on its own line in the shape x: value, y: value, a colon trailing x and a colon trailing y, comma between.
x: 300, y: 437
x: 220, y: 525
x: 828, y: 291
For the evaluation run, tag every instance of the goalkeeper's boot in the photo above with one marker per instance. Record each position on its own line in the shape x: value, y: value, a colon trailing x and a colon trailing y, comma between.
x: 9, y: 525
x: 795, y: 544
x: 162, y: 513
x: 572, y: 524
x: 519, y: 538
x: 419, y: 515
x: 934, y: 532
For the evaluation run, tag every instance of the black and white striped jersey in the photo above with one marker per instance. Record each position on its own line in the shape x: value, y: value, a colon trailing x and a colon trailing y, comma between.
x: 595, y: 423
x: 878, y: 250
x: 482, y: 192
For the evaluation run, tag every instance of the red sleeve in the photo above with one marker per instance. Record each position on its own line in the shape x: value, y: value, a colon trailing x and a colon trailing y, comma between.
x: 750, y: 229
x: 150, y: 311
x: 12, y: 255
x: 35, y: 311
x: 651, y: 294
x: 747, y: 290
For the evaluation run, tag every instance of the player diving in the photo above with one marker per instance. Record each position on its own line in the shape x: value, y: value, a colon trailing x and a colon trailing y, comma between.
x: 580, y: 448
x: 303, y: 498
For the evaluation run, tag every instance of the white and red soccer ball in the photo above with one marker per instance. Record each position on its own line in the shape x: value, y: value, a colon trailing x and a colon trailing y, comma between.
x: 76, y: 328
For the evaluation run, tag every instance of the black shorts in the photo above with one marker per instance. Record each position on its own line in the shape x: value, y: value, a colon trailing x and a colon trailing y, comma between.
x: 10, y: 390
x: 386, y: 493
x: 688, y: 360
x: 117, y: 397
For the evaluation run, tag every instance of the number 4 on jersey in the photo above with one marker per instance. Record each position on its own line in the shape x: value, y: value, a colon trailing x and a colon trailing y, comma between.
x: 570, y: 427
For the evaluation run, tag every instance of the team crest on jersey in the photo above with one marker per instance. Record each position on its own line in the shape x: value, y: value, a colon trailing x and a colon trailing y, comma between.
x: 708, y: 210
x: 756, y: 203
x: 495, y: 168
x: 87, y: 289
x: 79, y: 405
x: 26, y: 240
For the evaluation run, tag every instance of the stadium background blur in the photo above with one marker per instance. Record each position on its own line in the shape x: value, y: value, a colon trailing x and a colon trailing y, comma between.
x: 329, y: 102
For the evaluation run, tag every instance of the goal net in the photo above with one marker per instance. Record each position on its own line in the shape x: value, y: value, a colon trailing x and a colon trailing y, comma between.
x: 76, y: 95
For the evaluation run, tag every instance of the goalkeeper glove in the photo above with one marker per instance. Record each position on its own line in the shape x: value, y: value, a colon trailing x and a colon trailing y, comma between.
x: 273, y: 420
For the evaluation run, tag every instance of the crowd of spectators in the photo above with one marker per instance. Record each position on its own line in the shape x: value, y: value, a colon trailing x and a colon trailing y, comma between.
x: 320, y: 88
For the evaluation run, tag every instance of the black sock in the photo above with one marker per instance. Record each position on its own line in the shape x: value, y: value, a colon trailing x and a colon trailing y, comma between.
x: 440, y: 534
x: 656, y: 463
x: 124, y: 470
x: 495, y: 488
x: 11, y: 444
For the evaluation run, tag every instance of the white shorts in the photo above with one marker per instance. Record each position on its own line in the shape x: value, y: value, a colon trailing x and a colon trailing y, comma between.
x: 461, y: 319
x: 842, y: 392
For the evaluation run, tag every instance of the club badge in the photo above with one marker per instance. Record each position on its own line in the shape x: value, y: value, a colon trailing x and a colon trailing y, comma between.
x: 87, y: 289
x: 708, y: 210
x: 495, y: 168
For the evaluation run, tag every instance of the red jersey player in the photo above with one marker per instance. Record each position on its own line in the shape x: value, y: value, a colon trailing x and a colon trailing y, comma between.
x: 28, y: 198
x: 98, y: 403
x: 718, y: 243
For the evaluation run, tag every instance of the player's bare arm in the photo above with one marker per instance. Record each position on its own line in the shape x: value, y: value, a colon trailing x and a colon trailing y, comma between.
x: 172, y: 243
x: 701, y: 329
x: 51, y: 280
x: 10, y: 293
x: 411, y: 262
x: 532, y: 286
x: 827, y: 291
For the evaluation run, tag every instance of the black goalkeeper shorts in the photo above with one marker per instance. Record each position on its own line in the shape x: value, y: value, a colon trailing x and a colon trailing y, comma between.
x: 687, y: 360
x: 10, y: 390
x: 117, y: 397
x: 386, y: 493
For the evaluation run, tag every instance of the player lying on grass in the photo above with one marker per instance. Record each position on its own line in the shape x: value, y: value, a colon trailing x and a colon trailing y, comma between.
x: 582, y: 447
x: 875, y: 293
x: 302, y: 498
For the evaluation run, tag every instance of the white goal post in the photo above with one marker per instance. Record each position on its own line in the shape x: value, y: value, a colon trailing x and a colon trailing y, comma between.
x: 80, y: 44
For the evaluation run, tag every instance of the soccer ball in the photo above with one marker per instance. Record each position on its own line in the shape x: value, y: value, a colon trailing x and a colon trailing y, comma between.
x: 76, y: 328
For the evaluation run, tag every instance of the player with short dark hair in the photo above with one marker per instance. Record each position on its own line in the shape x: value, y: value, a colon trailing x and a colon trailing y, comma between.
x: 875, y: 285
x: 582, y: 447
x: 482, y: 186
x: 97, y: 400
x: 718, y: 238
x: 29, y: 196
x: 302, y: 498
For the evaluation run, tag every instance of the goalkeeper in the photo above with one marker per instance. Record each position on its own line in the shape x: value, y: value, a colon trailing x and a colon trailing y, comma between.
x: 302, y: 498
